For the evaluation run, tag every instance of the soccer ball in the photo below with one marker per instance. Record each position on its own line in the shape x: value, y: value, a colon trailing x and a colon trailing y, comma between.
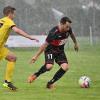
x: 84, y: 82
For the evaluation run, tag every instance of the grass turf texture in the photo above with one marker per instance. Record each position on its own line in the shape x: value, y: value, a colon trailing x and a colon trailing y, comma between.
x: 85, y: 62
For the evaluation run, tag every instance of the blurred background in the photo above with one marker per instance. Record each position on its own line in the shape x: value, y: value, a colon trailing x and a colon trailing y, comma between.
x: 38, y: 16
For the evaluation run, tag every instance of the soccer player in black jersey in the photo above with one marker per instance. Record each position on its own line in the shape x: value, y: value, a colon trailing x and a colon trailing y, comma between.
x: 54, y: 51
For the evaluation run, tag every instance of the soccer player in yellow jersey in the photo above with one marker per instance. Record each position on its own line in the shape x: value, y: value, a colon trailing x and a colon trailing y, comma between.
x: 6, y: 25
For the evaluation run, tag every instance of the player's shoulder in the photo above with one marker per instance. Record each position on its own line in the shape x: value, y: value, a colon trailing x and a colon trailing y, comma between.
x: 54, y: 29
x: 7, y: 19
x: 2, y: 20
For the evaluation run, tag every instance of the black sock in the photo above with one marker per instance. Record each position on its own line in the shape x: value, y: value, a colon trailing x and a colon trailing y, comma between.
x: 57, y: 76
x: 6, y: 81
x: 42, y: 70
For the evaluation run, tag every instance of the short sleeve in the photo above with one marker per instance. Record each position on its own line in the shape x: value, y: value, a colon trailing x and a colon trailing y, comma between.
x: 11, y: 23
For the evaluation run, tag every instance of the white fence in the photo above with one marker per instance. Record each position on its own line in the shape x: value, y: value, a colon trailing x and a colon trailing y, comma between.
x: 18, y: 41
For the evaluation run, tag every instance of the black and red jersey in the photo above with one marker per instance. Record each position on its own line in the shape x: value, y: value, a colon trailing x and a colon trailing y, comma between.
x: 56, y: 39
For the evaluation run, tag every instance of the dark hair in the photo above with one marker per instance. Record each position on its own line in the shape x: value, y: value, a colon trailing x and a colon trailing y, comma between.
x: 65, y: 19
x: 8, y: 10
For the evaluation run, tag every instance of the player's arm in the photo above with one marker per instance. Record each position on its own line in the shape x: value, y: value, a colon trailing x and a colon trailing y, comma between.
x: 49, y: 38
x: 40, y: 50
x: 75, y: 41
x: 22, y: 33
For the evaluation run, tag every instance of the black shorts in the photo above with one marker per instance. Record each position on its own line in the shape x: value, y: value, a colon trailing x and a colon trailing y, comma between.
x: 59, y: 58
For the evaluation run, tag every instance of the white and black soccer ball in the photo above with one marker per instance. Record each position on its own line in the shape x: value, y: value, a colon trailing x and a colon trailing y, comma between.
x: 84, y: 82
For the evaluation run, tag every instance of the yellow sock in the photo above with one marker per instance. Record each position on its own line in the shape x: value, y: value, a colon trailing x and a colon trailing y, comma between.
x: 9, y: 71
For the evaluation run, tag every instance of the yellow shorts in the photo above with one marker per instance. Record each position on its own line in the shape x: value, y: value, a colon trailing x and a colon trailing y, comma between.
x: 3, y: 52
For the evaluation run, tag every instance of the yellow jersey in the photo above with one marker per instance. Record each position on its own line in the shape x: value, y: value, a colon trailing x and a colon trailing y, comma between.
x: 5, y: 27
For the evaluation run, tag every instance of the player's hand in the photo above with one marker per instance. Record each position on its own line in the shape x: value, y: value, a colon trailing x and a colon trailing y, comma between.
x: 33, y: 60
x: 34, y: 39
x: 76, y: 47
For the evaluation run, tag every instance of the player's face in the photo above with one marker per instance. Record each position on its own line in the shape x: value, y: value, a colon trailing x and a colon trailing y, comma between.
x: 66, y: 27
x: 12, y: 15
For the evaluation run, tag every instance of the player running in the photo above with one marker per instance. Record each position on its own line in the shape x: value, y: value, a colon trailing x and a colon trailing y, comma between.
x: 54, y: 51
x: 6, y: 25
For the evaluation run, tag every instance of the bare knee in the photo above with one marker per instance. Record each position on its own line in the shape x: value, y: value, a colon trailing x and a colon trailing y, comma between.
x: 65, y: 66
x: 49, y: 66
x: 11, y: 58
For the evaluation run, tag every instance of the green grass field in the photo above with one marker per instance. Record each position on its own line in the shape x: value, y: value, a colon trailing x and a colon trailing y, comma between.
x: 85, y: 62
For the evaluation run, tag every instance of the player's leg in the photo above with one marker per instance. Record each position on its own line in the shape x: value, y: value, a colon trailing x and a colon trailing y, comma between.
x: 49, y: 60
x: 62, y: 61
x: 11, y: 58
x: 43, y: 69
